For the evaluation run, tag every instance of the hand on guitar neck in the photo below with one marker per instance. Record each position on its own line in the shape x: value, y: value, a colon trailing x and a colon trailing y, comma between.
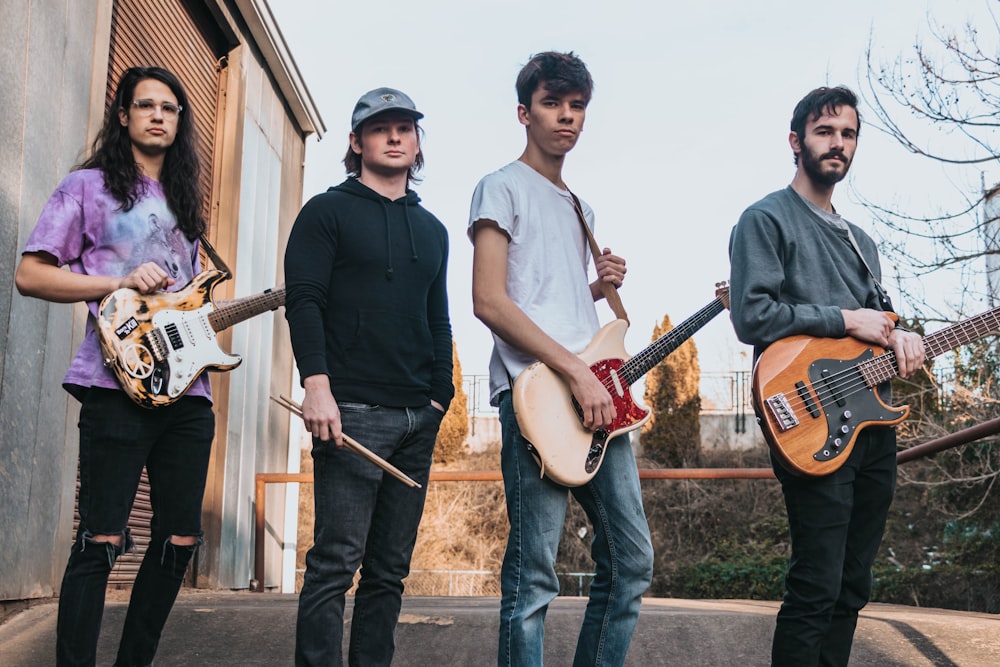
x: 879, y: 327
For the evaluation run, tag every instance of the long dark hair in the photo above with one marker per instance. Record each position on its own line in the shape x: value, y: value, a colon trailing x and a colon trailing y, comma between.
x: 112, y: 154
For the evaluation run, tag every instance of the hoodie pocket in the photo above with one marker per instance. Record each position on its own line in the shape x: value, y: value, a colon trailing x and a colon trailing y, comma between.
x: 390, y: 348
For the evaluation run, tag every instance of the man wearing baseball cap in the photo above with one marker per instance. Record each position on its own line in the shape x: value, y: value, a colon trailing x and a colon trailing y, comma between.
x: 365, y: 272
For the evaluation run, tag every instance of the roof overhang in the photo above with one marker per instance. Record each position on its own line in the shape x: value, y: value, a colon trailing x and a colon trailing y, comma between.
x: 278, y: 57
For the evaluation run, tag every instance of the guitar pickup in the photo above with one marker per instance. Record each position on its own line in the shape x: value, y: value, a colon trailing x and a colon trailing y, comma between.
x: 834, y: 388
x: 807, y: 399
x: 174, y: 336
x: 782, y: 412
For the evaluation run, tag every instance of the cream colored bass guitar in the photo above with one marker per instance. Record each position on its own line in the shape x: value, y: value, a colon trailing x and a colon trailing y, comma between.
x: 550, y: 418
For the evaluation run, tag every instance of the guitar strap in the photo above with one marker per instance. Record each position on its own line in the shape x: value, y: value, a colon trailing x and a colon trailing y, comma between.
x: 610, y: 291
x: 214, y: 256
x: 883, y: 295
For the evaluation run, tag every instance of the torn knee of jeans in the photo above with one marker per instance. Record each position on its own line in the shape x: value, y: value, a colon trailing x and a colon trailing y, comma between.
x: 113, y: 550
x: 185, y: 551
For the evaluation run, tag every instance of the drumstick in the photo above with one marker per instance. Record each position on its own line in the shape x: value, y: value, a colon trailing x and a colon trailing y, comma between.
x: 353, y: 445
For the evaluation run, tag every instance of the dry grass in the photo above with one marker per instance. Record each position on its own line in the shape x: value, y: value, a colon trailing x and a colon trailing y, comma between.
x: 464, y: 526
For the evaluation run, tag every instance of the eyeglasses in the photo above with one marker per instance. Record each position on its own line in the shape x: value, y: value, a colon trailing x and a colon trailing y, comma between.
x: 169, y: 110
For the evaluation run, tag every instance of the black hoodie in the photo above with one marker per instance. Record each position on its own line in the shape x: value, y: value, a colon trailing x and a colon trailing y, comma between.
x: 366, y: 297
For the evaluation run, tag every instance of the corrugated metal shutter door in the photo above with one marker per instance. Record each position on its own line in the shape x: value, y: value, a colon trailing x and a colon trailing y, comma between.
x: 163, y: 33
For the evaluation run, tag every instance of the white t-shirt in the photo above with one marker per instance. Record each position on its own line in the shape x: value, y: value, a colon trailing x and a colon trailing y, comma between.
x: 547, y: 262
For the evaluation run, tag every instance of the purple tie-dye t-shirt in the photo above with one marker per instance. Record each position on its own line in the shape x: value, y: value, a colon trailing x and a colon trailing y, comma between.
x: 83, y: 226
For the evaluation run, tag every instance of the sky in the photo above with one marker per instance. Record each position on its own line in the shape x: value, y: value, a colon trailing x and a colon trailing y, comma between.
x: 688, y: 124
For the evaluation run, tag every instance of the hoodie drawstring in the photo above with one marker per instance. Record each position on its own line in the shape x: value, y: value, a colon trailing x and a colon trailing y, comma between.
x: 409, y: 228
x: 389, y: 272
x: 388, y: 242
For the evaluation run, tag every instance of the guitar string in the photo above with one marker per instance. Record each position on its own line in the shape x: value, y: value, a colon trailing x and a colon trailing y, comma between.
x: 688, y: 328
x: 886, y: 363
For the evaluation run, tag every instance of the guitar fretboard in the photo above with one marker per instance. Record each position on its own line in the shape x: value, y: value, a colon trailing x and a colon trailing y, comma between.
x: 644, y: 361
x: 884, y: 367
x: 238, y: 310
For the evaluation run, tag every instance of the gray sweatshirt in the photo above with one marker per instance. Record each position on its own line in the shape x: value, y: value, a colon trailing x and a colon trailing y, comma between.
x: 791, y: 272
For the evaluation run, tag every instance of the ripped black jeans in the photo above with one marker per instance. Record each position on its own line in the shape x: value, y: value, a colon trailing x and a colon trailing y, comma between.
x: 117, y: 439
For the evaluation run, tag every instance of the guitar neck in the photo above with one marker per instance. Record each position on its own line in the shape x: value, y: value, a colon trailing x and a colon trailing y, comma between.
x: 238, y: 310
x: 646, y: 359
x: 884, y: 367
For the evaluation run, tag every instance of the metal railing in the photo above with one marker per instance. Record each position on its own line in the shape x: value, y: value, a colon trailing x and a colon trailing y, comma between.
x: 963, y: 437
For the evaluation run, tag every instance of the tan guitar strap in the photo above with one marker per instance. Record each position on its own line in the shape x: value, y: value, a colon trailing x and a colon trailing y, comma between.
x: 610, y: 291
x: 214, y: 256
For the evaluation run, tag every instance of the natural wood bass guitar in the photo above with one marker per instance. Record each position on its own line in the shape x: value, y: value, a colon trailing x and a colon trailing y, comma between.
x: 550, y: 418
x: 158, y: 344
x: 814, y: 395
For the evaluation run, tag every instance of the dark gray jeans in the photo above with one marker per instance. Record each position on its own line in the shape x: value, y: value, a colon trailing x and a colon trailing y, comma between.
x: 367, y: 518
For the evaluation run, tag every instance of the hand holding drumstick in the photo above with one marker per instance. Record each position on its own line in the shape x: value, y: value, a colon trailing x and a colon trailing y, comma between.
x: 353, y: 445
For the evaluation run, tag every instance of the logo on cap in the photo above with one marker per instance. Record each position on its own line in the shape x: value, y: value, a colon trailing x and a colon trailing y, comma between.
x: 389, y: 97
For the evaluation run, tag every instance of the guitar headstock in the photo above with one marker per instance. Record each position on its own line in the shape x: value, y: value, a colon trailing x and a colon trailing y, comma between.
x: 722, y: 292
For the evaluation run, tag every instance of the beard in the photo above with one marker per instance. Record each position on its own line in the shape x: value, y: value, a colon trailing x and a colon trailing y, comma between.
x: 813, y: 165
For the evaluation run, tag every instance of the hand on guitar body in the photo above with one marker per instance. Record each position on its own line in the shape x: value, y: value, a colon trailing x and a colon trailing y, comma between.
x: 38, y: 275
x: 145, y: 279
x: 562, y: 408
x: 879, y: 328
x: 813, y: 395
x: 597, y: 408
x: 157, y: 343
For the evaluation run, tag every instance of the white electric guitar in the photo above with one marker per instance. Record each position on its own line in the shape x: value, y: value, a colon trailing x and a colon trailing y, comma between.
x: 550, y: 418
x: 158, y: 344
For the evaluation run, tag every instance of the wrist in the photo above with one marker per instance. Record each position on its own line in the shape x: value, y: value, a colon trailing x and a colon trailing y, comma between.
x: 318, y: 381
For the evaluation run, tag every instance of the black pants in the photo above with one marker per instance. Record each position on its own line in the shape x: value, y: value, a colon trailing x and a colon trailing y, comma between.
x: 118, y: 438
x: 836, y: 524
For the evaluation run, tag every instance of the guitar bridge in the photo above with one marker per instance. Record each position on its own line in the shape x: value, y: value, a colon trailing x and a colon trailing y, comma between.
x: 157, y: 344
x: 782, y: 412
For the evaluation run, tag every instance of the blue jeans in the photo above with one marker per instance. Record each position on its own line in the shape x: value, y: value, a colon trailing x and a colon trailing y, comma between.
x: 364, y: 517
x: 118, y: 438
x: 621, y: 549
x: 836, y: 524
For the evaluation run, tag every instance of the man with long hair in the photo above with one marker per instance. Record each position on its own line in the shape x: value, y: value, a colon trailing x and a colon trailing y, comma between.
x: 367, y: 306
x: 128, y: 217
x: 530, y: 286
x: 798, y: 267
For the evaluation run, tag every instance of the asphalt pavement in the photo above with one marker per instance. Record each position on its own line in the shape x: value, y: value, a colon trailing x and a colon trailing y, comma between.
x: 249, y: 629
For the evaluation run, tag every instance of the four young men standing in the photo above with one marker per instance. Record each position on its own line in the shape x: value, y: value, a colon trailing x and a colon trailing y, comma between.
x: 367, y: 308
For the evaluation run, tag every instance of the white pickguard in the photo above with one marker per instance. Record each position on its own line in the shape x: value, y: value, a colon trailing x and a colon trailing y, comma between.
x: 191, y: 346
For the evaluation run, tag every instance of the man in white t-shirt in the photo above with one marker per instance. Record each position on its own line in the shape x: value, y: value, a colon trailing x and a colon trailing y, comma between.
x: 530, y: 287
